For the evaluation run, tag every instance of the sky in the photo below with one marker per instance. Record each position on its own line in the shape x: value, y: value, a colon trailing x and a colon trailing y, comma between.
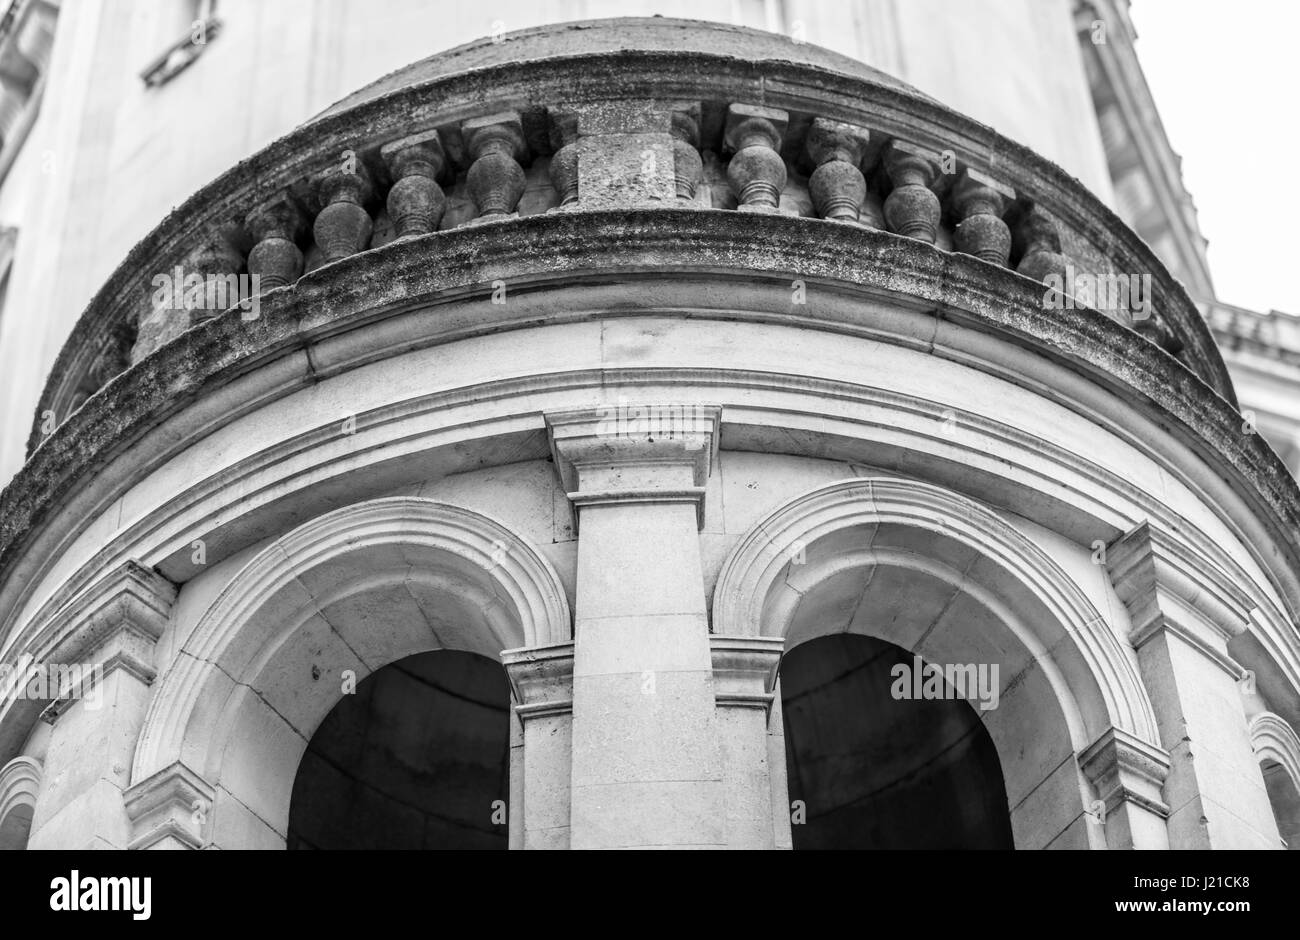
x: 1226, y: 80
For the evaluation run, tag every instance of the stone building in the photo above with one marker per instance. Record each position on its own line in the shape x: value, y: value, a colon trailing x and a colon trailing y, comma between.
x: 627, y: 433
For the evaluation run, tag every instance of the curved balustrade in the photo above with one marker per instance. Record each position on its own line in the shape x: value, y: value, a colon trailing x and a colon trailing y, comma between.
x: 792, y: 130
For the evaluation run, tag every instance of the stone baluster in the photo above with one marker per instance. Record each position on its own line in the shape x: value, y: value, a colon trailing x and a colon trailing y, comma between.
x: 1042, y: 255
x: 912, y: 208
x: 276, y: 260
x: 757, y: 172
x: 496, y: 180
x: 564, y: 174
x: 415, y: 201
x: 688, y: 167
x: 979, y: 203
x: 837, y: 186
x: 564, y: 163
x: 343, y: 227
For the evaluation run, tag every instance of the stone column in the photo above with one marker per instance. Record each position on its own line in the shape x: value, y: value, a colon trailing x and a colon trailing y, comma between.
x: 541, y: 679
x: 744, y: 674
x: 1183, y: 611
x: 108, y: 635
x: 646, y: 762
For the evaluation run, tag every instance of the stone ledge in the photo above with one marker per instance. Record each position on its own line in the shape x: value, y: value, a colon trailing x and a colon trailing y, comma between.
x: 358, y: 291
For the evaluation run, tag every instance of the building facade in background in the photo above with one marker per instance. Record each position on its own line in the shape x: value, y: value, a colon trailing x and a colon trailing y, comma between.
x: 808, y: 425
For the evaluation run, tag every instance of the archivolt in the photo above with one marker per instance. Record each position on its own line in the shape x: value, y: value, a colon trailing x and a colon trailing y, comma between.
x: 518, y: 596
x: 1102, y: 687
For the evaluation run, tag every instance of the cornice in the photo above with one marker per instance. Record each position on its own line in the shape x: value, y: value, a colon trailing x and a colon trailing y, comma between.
x: 365, y: 289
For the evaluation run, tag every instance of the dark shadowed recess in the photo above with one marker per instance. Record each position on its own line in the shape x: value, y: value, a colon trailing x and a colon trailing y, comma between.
x: 417, y: 758
x: 875, y: 772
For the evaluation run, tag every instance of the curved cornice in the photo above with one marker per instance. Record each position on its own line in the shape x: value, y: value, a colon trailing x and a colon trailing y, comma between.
x: 589, y: 247
x: 220, y: 209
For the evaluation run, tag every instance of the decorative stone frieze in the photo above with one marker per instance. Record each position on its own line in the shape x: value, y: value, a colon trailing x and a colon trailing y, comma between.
x: 416, y: 202
x: 756, y: 172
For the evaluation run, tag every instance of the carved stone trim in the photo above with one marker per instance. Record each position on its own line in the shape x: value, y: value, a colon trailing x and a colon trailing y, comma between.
x: 1124, y: 768
x: 636, y: 453
x: 1166, y: 586
x: 175, y: 803
x: 745, y: 669
x: 541, y: 680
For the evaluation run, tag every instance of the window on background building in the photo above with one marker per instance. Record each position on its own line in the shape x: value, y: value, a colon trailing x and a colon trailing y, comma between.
x: 198, y: 27
x: 8, y: 238
x: 26, y: 39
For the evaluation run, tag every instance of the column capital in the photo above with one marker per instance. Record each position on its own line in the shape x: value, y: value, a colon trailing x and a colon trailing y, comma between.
x: 1124, y: 768
x: 541, y: 679
x: 745, y: 668
x: 113, y: 624
x: 169, y: 809
x: 1167, y: 587
x: 636, y: 453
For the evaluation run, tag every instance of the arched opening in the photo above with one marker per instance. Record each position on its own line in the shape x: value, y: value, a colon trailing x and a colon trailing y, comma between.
x: 944, y: 578
x: 333, y: 602
x: 1285, y: 800
x: 14, y: 829
x: 870, y: 769
x: 20, y: 781
x: 417, y: 758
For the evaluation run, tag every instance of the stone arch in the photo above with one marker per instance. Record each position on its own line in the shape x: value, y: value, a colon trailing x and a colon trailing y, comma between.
x: 20, y: 784
x: 1067, y: 679
x: 355, y: 589
x: 1277, y: 747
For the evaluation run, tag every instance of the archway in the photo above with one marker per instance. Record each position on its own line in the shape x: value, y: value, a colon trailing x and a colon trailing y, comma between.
x: 869, y: 769
x: 20, y: 782
x: 1278, y: 748
x: 417, y: 758
x: 943, y: 577
x: 308, y: 619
